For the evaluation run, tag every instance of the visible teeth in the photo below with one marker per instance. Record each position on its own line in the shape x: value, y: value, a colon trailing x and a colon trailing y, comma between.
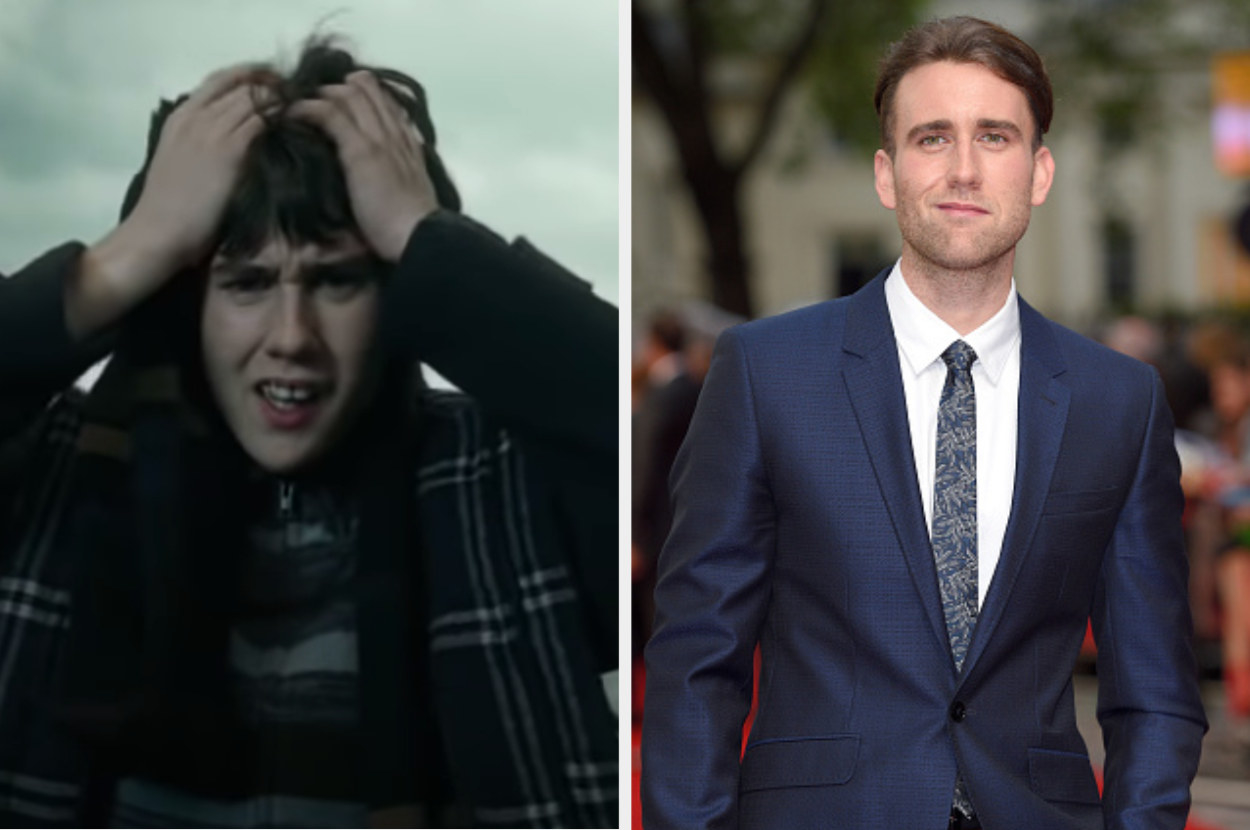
x: 287, y: 396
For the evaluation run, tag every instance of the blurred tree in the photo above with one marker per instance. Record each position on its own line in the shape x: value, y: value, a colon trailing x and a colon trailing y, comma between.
x: 718, y: 73
x: 1133, y: 70
x: 1112, y: 59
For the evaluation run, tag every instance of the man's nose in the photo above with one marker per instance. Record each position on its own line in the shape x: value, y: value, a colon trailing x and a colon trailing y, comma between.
x: 964, y: 168
x: 293, y: 331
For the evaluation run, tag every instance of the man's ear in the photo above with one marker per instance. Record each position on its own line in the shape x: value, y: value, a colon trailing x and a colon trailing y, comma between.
x: 1043, y: 174
x: 883, y: 170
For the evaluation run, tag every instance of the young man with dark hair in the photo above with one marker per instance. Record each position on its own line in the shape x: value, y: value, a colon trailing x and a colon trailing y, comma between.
x: 261, y: 574
x: 913, y: 499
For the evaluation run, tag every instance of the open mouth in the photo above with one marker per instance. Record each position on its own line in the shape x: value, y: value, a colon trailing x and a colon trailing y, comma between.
x: 287, y: 395
x: 291, y: 404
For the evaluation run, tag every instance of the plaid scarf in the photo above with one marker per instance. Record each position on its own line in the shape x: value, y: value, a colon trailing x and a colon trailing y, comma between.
x: 494, y: 662
x: 155, y: 526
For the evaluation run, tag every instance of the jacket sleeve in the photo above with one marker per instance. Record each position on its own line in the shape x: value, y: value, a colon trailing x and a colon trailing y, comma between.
x: 536, y: 349
x: 38, y: 359
x: 37, y: 356
x: 1148, y: 703
x: 711, y: 597
x: 523, y: 336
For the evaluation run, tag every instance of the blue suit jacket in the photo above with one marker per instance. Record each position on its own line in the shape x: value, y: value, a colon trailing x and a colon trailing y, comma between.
x: 799, y: 525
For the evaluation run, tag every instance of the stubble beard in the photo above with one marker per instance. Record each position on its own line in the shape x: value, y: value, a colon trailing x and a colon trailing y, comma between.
x: 953, y: 253
x: 956, y: 256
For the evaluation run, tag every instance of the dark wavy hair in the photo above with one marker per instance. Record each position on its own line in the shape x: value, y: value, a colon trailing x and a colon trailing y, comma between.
x: 292, y: 183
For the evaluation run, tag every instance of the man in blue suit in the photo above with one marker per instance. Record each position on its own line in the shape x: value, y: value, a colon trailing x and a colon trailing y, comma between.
x: 913, y: 499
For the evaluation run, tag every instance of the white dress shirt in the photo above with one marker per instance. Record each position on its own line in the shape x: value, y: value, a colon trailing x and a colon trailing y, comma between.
x: 922, y: 337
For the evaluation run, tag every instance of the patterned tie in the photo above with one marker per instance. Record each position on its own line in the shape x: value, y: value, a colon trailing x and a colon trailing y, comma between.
x: 954, y: 535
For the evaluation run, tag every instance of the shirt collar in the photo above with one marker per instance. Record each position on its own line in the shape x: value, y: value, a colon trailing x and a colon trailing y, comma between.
x: 922, y: 336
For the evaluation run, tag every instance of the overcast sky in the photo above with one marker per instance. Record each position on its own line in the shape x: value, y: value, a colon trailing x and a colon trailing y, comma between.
x: 523, y: 94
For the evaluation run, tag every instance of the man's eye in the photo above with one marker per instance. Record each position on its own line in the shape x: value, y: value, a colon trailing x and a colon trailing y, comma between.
x: 931, y: 140
x: 339, y: 279
x: 342, y: 284
x: 340, y: 290
x: 994, y: 138
x: 247, y: 284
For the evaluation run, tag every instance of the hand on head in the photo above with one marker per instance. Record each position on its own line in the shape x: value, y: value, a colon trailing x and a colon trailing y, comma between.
x: 187, y: 185
x: 380, y: 150
x: 204, y: 141
x: 197, y: 163
x: 200, y: 156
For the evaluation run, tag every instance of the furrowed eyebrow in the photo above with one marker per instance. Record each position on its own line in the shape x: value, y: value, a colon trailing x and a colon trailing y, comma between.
x: 234, y: 270
x: 362, y: 268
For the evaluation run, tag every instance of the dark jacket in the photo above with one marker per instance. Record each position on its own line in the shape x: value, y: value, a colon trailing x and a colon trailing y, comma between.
x: 515, y: 489
x: 800, y: 526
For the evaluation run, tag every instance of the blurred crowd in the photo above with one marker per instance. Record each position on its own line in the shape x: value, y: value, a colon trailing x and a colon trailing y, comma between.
x: 671, y: 356
x: 1205, y: 367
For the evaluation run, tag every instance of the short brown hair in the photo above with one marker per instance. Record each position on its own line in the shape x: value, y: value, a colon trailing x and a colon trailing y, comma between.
x: 965, y: 40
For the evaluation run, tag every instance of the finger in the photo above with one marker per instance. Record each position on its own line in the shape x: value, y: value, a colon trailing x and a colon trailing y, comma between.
x: 203, y: 121
x: 231, y: 110
x: 402, y: 131
x: 331, y: 119
x: 390, y: 79
x: 403, y: 134
x: 409, y: 124
x: 353, y: 101
x: 390, y: 117
x: 392, y: 90
x: 243, y: 134
x: 224, y: 80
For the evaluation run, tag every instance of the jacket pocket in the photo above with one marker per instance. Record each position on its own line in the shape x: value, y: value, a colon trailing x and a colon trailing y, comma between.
x: 799, y: 762
x: 1062, y: 776
x: 1081, y: 501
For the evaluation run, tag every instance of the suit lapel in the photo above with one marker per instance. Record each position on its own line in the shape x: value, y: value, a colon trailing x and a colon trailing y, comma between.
x: 1043, y: 411
x: 875, y: 388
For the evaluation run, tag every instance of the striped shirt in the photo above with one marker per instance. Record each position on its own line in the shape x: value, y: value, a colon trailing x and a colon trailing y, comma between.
x: 294, y: 672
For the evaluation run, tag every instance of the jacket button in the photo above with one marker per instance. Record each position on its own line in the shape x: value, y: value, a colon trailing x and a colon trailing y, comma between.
x: 958, y: 712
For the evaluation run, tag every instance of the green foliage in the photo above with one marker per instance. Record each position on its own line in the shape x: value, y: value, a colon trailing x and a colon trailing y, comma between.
x: 740, y: 28
x: 1108, y: 59
x: 840, y: 72
x: 843, y: 71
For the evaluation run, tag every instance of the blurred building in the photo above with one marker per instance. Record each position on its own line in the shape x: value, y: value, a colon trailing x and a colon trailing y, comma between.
x: 1145, y: 227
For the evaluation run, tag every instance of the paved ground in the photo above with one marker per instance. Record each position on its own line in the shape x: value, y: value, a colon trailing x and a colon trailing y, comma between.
x: 1222, y: 789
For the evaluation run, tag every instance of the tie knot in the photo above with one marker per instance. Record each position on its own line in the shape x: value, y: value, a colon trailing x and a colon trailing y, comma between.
x: 959, y: 356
